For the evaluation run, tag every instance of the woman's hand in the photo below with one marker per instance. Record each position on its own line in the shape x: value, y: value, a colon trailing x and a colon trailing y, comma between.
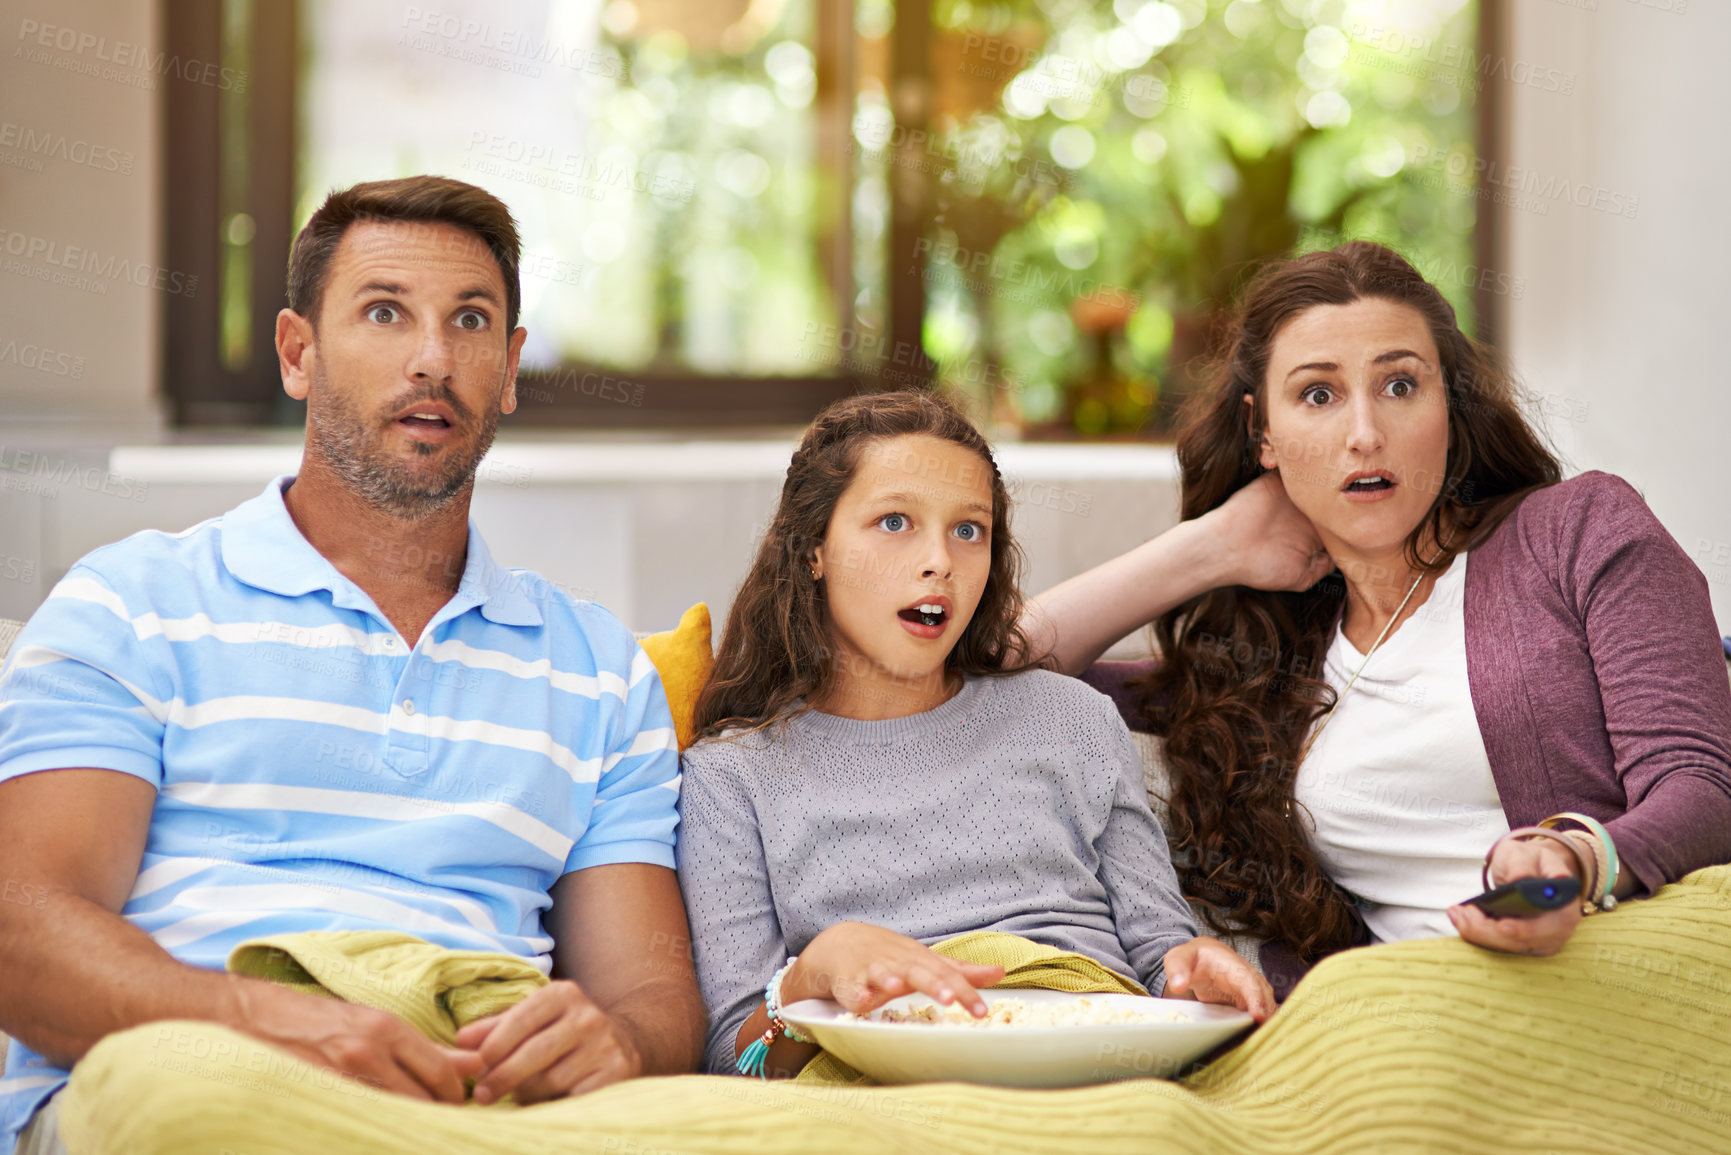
x: 1257, y: 538
x: 1209, y: 971
x: 1264, y: 541
x: 1542, y: 936
x: 862, y: 967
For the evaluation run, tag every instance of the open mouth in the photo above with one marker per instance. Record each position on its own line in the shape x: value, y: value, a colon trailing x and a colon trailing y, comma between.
x: 1368, y: 483
x: 422, y: 420
x: 925, y: 614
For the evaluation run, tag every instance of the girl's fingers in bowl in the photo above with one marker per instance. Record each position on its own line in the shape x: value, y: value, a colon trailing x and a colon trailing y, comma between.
x: 1258, y: 997
x: 930, y: 981
x: 967, y: 989
x: 863, y: 992
x: 980, y: 976
x: 1212, y: 972
x: 1248, y: 991
x: 947, y: 984
x: 884, y: 976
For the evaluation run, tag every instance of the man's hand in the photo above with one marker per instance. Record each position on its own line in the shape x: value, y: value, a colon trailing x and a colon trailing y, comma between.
x: 554, y: 1043
x: 373, y: 1046
x: 1542, y: 936
x: 622, y: 942
x: 1209, y: 971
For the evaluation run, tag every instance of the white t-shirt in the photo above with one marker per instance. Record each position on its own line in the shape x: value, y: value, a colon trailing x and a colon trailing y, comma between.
x: 1397, y: 785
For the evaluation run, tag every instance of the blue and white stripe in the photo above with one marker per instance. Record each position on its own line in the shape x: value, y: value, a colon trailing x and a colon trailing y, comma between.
x: 317, y: 772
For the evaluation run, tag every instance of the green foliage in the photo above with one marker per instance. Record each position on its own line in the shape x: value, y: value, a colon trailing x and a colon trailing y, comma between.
x: 1182, y: 143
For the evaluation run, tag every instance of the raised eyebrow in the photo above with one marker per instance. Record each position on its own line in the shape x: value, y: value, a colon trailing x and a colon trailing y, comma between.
x: 391, y: 289
x: 479, y: 293
x: 1400, y: 355
x: 1381, y: 359
x: 971, y: 507
x: 1320, y: 366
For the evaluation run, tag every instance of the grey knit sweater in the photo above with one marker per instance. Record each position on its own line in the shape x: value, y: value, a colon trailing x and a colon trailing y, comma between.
x: 1016, y: 806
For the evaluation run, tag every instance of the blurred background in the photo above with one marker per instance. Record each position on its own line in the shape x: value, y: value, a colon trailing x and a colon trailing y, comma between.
x: 735, y: 211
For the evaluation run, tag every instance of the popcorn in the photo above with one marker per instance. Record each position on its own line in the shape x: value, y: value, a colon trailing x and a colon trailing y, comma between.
x: 1081, y: 1012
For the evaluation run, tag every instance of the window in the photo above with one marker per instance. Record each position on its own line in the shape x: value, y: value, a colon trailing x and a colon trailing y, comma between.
x: 735, y: 211
x: 1103, y: 175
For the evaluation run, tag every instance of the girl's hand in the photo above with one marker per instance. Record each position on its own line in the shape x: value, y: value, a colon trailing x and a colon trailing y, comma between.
x: 863, y: 967
x: 1265, y: 542
x: 1209, y: 971
x: 1542, y: 936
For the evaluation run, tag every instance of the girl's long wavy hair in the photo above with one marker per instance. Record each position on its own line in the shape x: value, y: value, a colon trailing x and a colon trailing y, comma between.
x: 776, y: 646
x: 1239, y: 686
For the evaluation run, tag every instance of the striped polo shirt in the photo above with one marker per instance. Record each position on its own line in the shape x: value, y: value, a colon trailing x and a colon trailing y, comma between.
x: 314, y: 770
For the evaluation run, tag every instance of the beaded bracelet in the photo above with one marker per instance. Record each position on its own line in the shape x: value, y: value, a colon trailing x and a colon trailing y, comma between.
x: 755, y: 1059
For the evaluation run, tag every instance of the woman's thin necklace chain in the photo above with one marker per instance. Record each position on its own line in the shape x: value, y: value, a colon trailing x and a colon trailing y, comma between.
x: 1374, y: 646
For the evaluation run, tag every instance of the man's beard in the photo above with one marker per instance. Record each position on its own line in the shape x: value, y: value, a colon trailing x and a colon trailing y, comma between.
x: 349, y: 443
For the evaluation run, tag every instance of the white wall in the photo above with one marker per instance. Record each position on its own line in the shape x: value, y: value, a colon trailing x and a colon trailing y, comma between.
x: 79, y: 200
x: 78, y: 184
x: 644, y: 528
x: 1621, y: 319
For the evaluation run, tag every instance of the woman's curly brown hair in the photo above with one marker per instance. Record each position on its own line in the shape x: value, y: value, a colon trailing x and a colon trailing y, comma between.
x: 1239, y: 686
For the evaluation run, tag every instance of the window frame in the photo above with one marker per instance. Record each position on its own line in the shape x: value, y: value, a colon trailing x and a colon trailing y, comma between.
x: 202, y: 391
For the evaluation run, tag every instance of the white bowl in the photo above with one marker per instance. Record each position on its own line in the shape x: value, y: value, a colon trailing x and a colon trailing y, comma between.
x: 1016, y: 1056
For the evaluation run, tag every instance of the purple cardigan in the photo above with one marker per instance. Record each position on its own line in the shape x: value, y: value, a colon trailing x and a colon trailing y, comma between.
x: 1597, y: 675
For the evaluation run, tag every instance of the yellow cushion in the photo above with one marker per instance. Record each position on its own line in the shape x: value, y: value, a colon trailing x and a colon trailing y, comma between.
x: 683, y: 656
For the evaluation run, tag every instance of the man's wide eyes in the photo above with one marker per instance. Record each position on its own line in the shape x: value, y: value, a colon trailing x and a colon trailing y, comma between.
x: 470, y: 320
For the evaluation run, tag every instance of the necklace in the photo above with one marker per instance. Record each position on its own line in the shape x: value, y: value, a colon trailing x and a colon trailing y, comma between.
x: 1374, y: 646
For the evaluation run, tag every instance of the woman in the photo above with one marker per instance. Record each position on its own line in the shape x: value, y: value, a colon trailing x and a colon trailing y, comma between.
x: 1492, y: 645
x: 873, y: 778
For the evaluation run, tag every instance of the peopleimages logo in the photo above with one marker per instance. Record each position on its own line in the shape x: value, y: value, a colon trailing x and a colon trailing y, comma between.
x: 96, y: 50
x: 78, y: 259
x: 470, y: 39
x: 59, y: 146
x: 992, y: 271
x: 32, y: 472
x: 1461, y: 59
x: 29, y: 355
x: 1519, y: 183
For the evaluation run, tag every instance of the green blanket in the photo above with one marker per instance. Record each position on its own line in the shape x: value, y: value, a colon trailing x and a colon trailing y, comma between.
x: 1621, y: 1043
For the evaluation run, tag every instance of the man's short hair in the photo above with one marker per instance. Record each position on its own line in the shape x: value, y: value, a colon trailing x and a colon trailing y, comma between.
x: 430, y: 199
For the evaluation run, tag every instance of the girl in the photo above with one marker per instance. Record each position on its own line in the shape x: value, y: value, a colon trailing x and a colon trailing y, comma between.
x: 875, y: 775
x: 1498, y: 648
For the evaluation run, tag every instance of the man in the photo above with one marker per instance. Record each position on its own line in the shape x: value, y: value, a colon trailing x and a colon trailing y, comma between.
x: 329, y: 709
